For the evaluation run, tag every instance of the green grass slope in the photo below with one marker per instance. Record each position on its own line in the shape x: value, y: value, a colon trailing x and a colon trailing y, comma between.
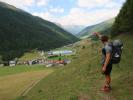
x: 96, y: 28
x: 20, y: 32
x: 82, y: 79
x: 5, y: 71
x: 18, y: 80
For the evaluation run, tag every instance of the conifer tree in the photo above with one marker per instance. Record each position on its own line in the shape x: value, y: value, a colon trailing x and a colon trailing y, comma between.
x: 124, y: 20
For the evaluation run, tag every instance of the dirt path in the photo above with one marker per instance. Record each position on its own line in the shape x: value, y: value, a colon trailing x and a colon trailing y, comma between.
x: 19, y: 84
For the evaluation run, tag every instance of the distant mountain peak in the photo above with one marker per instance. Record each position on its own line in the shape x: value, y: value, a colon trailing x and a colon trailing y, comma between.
x: 74, y: 29
x: 96, y: 28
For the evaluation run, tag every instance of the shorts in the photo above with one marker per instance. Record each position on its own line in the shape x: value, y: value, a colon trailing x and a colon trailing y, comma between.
x: 108, y: 69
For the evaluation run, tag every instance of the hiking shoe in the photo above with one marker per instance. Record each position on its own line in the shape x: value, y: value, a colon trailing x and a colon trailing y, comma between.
x: 105, y: 89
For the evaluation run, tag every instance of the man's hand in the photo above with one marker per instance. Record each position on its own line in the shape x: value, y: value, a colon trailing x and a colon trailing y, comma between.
x: 96, y: 34
x: 103, y: 68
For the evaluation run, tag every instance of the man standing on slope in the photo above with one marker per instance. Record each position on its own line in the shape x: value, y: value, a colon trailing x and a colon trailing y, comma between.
x: 106, y: 61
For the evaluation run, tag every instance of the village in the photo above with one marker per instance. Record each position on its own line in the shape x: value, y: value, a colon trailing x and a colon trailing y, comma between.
x: 57, y: 57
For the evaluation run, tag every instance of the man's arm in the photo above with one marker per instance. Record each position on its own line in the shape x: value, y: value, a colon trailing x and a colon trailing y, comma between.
x: 107, y: 60
x: 98, y: 34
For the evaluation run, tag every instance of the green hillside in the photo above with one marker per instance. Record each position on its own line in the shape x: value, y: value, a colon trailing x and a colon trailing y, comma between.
x: 106, y: 25
x: 83, y: 81
x: 21, y: 32
x: 124, y: 20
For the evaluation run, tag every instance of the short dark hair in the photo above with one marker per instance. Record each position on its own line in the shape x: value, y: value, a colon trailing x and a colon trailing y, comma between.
x: 104, y: 38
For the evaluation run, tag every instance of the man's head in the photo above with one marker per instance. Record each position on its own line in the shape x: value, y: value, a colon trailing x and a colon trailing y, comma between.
x: 104, y: 39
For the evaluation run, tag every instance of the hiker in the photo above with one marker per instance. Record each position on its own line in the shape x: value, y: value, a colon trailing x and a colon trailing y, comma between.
x: 106, y: 60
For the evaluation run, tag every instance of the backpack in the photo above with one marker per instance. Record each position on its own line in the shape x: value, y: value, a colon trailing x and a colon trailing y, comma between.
x: 117, y: 46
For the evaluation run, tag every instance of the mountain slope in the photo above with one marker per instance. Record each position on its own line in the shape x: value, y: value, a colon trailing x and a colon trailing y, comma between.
x: 83, y: 81
x: 96, y: 28
x: 20, y: 32
x: 124, y: 20
x: 74, y: 29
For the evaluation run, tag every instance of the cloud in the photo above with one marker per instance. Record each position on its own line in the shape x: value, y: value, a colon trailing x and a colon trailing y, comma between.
x: 78, y: 16
x: 49, y: 15
x: 24, y: 4
x: 91, y: 3
x: 81, y: 15
x: 85, y: 12
x: 90, y: 12
x: 45, y: 15
x: 98, y: 3
x: 56, y: 10
x: 41, y: 2
x: 19, y: 3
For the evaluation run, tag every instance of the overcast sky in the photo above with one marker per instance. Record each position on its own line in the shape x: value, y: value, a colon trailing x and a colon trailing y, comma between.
x: 71, y: 12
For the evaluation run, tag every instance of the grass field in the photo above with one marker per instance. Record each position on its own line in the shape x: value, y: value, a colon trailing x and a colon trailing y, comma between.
x: 82, y: 79
x: 19, y: 69
x: 17, y: 81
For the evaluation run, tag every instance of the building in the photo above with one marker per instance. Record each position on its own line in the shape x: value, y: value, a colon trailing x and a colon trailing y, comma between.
x: 12, y: 63
x: 61, y: 53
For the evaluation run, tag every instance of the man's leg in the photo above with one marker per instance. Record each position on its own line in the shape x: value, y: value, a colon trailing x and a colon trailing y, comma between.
x: 107, y: 75
x: 107, y: 83
x: 108, y: 80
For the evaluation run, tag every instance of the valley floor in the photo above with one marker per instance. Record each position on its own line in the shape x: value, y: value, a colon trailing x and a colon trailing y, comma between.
x: 18, y: 84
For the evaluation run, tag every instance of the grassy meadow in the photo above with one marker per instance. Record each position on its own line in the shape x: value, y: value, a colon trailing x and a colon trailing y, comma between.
x: 18, y: 80
x: 20, y: 69
x: 82, y: 79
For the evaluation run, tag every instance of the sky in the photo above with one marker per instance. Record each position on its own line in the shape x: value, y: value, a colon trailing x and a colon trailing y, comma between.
x: 71, y: 12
